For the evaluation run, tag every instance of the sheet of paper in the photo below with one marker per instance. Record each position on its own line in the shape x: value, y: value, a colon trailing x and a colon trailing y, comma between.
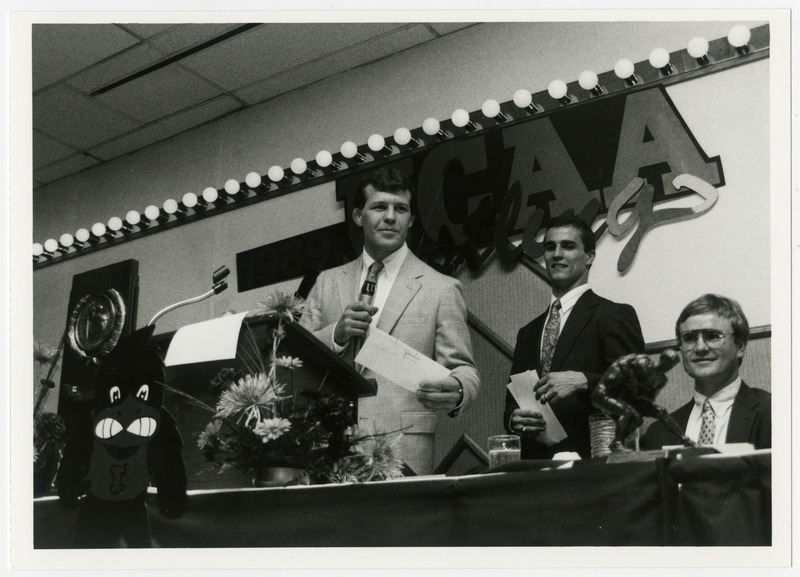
x: 521, y: 387
x: 213, y: 340
x: 396, y: 361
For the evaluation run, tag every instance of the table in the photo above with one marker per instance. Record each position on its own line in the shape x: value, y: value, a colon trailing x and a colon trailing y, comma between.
x: 691, y: 501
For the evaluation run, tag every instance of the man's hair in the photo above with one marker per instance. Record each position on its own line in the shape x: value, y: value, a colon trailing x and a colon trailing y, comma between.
x: 584, y: 230
x: 722, y: 306
x: 385, y: 180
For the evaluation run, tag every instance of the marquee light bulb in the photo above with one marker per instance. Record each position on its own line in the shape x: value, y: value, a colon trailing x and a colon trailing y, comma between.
x: 82, y: 235
x: 490, y: 108
x: 460, y: 117
x: 275, y: 173
x: 38, y: 249
x: 557, y: 89
x: 115, y: 223
x: 523, y: 98
x: 324, y: 158
x: 402, y: 136
x: 151, y: 212
x: 66, y: 240
x: 698, y: 48
x: 739, y: 36
x: 133, y: 217
x: 431, y: 126
x: 659, y: 58
x: 170, y: 206
x: 588, y: 80
x: 624, y: 70
x: 349, y: 149
x: 232, y: 186
x: 189, y: 200
x: 98, y: 229
x: 50, y: 245
x: 210, y: 194
x: 253, y: 179
x: 376, y: 142
x: 298, y: 166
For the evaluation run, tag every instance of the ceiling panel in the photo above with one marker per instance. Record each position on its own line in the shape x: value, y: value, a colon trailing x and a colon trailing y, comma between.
x: 75, y: 119
x: 59, y: 50
x: 182, y: 36
x: 159, y: 93
x: 63, y: 168
x: 146, y: 30
x: 163, y: 129
x: 46, y: 150
x: 114, y: 68
x: 448, y: 27
x: 274, y: 48
x: 332, y: 64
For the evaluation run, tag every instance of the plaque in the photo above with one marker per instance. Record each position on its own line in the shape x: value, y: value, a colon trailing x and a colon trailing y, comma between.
x: 95, y: 324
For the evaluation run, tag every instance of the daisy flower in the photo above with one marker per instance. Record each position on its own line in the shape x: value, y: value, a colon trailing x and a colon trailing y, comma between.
x: 269, y: 429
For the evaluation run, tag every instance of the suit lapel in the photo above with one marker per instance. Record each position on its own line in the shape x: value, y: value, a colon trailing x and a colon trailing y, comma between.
x: 406, y: 285
x: 347, y: 282
x: 581, y: 312
x: 742, y: 415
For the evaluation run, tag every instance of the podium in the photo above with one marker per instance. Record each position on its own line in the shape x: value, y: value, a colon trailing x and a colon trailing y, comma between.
x: 323, y: 371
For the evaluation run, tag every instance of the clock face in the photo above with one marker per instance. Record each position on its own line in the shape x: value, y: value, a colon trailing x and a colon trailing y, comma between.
x: 95, y: 324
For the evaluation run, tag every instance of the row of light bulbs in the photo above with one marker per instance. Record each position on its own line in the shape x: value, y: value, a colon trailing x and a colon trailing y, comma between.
x: 738, y: 37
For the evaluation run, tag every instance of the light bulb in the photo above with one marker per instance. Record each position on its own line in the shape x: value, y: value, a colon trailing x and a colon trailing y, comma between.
x: 210, y: 194
x: 98, y: 229
x: 557, y: 89
x: 66, y: 240
x: 431, y: 126
x: 299, y: 166
x: 50, y: 245
x: 232, y: 186
x: 523, y: 98
x: 698, y: 48
x: 624, y: 70
x: 588, y: 80
x: 189, y: 200
x: 402, y: 136
x: 376, y: 142
x: 253, y: 179
x: 38, y: 249
x: 490, y: 108
x: 82, y: 235
x: 275, y: 173
x: 115, y: 223
x: 152, y: 212
x: 133, y: 217
x: 170, y: 206
x: 324, y: 158
x: 739, y: 36
x: 349, y: 149
x: 460, y: 117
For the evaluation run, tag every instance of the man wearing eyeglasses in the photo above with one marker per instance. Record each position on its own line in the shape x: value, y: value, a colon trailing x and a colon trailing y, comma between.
x: 712, y: 334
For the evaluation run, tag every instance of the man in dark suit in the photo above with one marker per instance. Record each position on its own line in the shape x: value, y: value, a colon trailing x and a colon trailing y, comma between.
x: 570, y: 345
x: 712, y: 334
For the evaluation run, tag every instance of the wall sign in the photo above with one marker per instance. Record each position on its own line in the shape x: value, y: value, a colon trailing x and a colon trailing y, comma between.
x: 626, y: 152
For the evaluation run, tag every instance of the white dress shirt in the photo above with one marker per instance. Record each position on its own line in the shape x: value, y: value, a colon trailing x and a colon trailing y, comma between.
x: 567, y: 304
x: 386, y: 278
x: 722, y: 403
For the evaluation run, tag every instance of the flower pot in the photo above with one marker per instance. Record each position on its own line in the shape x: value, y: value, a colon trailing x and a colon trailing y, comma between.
x: 279, y: 477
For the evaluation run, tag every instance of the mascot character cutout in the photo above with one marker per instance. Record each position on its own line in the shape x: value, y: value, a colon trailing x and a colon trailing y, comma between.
x: 128, y: 441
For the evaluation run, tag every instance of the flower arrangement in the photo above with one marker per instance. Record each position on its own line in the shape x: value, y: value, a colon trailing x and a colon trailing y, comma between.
x: 261, y: 420
x: 49, y: 429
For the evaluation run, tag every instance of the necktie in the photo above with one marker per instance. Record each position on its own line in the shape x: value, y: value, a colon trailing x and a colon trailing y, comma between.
x: 707, y: 426
x: 550, y: 336
x: 367, y: 295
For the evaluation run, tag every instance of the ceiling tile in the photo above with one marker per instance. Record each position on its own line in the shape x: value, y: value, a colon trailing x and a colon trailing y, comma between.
x: 182, y: 36
x: 60, y: 50
x: 166, y: 128
x: 274, y: 48
x: 448, y: 27
x: 361, y: 53
x: 159, y: 93
x: 63, y: 168
x: 47, y: 150
x: 114, y: 68
x: 75, y: 119
x: 147, y: 30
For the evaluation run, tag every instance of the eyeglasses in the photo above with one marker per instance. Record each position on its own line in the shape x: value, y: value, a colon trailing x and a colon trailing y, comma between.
x: 711, y: 337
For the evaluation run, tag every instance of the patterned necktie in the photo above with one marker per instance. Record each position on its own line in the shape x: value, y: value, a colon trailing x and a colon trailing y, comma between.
x: 707, y: 427
x: 367, y: 295
x: 550, y: 336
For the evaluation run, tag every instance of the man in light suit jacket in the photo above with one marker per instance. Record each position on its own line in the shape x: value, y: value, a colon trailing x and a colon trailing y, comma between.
x: 410, y: 301
x: 712, y: 333
x: 570, y: 345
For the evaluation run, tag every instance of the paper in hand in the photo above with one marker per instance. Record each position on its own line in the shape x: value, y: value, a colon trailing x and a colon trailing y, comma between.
x: 396, y: 361
x: 521, y: 387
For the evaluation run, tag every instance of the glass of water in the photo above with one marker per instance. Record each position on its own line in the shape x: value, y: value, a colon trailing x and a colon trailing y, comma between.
x: 502, y: 449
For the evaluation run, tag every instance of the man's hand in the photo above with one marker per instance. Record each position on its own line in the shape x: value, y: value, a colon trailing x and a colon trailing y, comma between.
x: 354, y: 322
x: 527, y: 423
x: 559, y: 385
x: 444, y: 395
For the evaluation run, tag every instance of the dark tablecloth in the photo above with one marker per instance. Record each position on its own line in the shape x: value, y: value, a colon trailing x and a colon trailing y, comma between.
x: 693, y: 501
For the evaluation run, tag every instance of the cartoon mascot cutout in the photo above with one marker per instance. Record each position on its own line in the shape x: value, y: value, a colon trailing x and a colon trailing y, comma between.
x: 127, y: 442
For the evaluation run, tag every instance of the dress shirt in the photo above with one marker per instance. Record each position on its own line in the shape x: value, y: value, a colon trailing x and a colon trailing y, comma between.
x: 721, y: 402
x: 386, y: 278
x: 567, y: 303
